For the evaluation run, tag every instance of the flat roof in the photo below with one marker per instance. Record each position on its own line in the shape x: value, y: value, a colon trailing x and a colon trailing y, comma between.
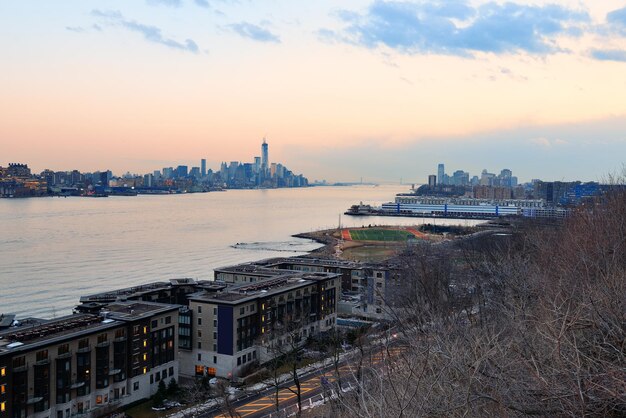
x: 244, y: 292
x: 30, y: 335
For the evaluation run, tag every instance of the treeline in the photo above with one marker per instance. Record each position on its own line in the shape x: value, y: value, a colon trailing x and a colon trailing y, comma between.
x: 527, y: 323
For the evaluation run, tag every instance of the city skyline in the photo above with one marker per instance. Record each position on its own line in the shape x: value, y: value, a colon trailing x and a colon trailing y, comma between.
x: 365, y: 89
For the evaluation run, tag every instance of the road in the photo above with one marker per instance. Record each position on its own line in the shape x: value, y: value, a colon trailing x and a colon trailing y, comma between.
x: 264, y: 403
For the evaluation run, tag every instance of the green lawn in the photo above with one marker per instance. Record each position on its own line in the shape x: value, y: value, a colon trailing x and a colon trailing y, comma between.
x: 379, y: 235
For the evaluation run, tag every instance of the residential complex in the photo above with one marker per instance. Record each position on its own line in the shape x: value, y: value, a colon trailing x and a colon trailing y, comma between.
x: 120, y: 344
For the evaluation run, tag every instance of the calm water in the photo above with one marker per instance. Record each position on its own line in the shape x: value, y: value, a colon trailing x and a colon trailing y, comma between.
x: 53, y: 250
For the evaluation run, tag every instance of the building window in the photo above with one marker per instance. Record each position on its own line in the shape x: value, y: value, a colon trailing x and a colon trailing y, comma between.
x: 215, y: 335
x: 242, y: 311
x: 199, y: 333
x: 199, y: 321
x: 3, y: 371
x: 199, y: 345
x: 3, y: 406
x: 155, y: 323
x: 238, y: 361
x: 199, y: 309
x: 214, y: 311
x: 136, y: 386
x: 211, y: 371
x: 3, y: 389
x: 43, y: 355
x: 102, y: 338
x: 199, y: 370
x: 199, y: 357
x: 215, y: 323
x: 145, y: 370
x: 171, y: 371
x: 99, y: 400
x: 168, y: 319
x: 145, y: 330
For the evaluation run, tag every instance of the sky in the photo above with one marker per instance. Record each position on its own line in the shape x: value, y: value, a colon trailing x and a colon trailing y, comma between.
x: 372, y: 89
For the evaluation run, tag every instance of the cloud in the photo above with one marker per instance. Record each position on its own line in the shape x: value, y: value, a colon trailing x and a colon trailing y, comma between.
x: 169, y: 3
x: 249, y: 30
x: 150, y: 33
x: 609, y: 55
x: 77, y: 29
x: 454, y: 27
x: 202, y: 3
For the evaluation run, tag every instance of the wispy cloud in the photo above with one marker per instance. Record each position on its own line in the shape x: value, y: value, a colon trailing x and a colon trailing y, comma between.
x: 77, y: 29
x: 202, y: 3
x: 258, y: 33
x: 455, y: 27
x: 169, y: 3
x: 149, y: 32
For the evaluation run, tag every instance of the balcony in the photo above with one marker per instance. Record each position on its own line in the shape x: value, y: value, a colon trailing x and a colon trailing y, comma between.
x: 21, y: 368
x: 34, y: 400
x: 42, y: 362
x: 76, y: 385
x: 64, y: 355
x: 103, y: 344
x: 84, y: 350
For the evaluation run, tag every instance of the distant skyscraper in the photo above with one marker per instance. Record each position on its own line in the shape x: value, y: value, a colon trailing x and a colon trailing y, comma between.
x: 257, y: 164
x: 264, y: 156
x: 440, y: 174
x: 203, y: 167
x: 432, y: 180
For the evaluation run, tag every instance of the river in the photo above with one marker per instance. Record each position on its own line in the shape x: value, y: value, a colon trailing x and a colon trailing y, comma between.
x: 53, y: 250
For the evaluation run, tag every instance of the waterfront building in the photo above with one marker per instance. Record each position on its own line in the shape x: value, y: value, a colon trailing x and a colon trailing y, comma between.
x: 432, y: 180
x: 239, y: 327
x: 86, y: 364
x: 203, y: 167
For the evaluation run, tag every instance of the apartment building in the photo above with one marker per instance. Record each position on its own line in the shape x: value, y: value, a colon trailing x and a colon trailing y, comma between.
x: 84, y: 364
x: 244, y: 323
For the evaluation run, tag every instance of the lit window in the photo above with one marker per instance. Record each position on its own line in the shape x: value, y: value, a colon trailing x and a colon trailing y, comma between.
x: 3, y: 406
x: 145, y: 330
x: 145, y: 370
x: 3, y: 371
x: 145, y: 343
x: 263, y: 330
x: 99, y: 399
x: 145, y: 356
x: 3, y: 389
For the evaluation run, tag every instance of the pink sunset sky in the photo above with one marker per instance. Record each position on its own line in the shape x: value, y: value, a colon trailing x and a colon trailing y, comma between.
x: 342, y: 90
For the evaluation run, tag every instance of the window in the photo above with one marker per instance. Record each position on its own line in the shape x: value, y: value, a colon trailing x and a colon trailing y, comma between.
x: 249, y: 356
x: 199, y: 333
x: 19, y: 362
x: 136, y: 386
x: 3, y: 406
x: 215, y: 323
x: 199, y: 309
x: 145, y: 370
x: 151, y: 379
x: 145, y: 343
x: 199, y: 345
x: 199, y: 357
x: 168, y: 319
x: 158, y: 376
x: 211, y: 371
x: 171, y: 371
x: 3, y: 371
x: 199, y: 321
x: 3, y: 389
x: 214, y: 347
x: 136, y: 330
x: 214, y: 311
x: 102, y: 338
x: 242, y: 311
x: 199, y: 370
x: 215, y: 335
x: 145, y: 330
x: 214, y: 361
x: 99, y: 399
x: 155, y: 323
x: 43, y: 355
x: 254, y: 354
x: 238, y: 361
